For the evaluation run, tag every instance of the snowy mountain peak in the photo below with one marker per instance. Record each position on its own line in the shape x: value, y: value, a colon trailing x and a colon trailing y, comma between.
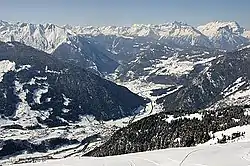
x: 212, y: 28
x: 43, y: 37
x: 224, y: 35
x: 181, y: 27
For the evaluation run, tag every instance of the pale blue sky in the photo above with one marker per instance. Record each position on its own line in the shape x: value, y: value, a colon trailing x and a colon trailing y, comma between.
x: 125, y: 12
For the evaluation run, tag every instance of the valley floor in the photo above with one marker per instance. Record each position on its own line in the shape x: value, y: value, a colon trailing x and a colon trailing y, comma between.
x: 233, y: 154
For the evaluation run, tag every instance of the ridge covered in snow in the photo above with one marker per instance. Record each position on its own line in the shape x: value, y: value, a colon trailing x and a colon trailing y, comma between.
x: 211, y: 28
x: 224, y: 35
x: 141, y: 30
x: 44, y: 37
x: 47, y: 37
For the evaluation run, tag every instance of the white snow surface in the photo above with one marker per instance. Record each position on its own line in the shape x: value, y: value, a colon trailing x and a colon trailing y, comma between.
x: 142, y: 30
x: 6, y: 66
x: 245, y: 47
x: 188, y: 116
x: 26, y: 116
x: 246, y: 34
x: 177, y: 67
x: 218, y: 135
x: 145, y: 89
x: 236, y: 154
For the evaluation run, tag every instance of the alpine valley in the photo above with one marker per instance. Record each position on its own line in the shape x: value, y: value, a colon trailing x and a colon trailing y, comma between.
x: 68, y: 91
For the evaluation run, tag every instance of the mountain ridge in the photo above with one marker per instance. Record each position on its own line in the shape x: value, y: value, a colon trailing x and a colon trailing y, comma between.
x: 53, y: 35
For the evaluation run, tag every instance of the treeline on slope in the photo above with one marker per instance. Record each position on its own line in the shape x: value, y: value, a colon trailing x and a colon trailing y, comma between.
x: 155, y: 132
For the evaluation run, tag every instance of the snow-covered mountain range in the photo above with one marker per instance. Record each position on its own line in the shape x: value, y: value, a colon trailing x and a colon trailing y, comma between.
x: 48, y: 37
x: 120, y: 43
x: 227, y: 33
x: 43, y: 37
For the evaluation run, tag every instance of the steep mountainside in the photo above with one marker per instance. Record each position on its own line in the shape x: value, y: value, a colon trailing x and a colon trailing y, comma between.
x: 211, y: 28
x: 79, y: 51
x: 53, y: 89
x: 160, y: 70
x: 47, y: 105
x: 226, y: 76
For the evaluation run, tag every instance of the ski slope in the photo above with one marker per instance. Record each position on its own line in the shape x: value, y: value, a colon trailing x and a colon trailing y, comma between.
x: 233, y: 154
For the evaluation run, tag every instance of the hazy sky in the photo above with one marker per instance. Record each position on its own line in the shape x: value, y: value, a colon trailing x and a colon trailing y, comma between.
x: 125, y: 12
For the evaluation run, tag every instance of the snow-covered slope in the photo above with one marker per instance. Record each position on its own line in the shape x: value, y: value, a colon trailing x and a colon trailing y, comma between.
x: 225, y: 79
x: 224, y: 35
x: 218, y: 155
x: 5, y: 66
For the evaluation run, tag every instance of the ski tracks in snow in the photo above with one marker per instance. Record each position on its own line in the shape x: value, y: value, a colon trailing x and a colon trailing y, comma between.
x: 151, y: 162
x: 189, y: 154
